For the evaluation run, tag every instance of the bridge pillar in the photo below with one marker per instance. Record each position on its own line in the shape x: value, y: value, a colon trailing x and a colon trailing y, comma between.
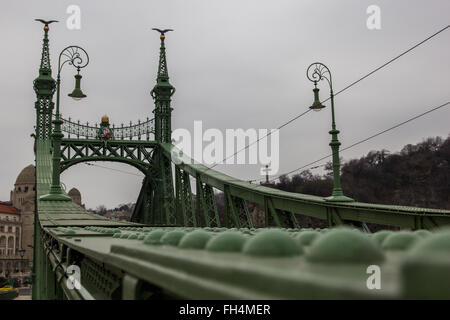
x: 163, y: 200
x: 161, y: 93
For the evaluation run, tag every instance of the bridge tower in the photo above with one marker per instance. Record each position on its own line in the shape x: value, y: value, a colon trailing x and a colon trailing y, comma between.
x: 161, y: 93
x: 156, y: 202
x: 44, y: 86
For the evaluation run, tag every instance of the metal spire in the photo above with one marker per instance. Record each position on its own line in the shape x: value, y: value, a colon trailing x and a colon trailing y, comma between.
x: 162, y: 92
x: 163, y: 74
x: 44, y: 86
x: 45, y: 68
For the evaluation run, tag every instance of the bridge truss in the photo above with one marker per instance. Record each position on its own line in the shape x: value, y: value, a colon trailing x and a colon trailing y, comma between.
x: 159, y: 252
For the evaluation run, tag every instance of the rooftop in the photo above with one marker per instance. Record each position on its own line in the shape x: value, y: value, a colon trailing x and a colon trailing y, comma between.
x: 6, y: 208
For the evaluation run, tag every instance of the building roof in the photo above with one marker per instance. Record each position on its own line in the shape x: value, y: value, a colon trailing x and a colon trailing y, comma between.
x: 6, y: 208
x: 26, y: 176
x: 74, y: 192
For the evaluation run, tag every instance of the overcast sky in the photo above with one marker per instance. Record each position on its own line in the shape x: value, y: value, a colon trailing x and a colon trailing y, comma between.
x: 235, y: 64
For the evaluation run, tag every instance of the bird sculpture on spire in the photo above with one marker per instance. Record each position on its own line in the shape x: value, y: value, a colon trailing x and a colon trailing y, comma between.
x: 162, y: 32
x: 46, y: 23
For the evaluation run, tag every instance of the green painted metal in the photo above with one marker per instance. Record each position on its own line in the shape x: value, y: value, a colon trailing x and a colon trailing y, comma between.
x: 162, y: 93
x: 132, y: 132
x: 236, y: 211
x: 317, y: 72
x: 153, y: 258
x: 137, y: 153
x: 77, y: 93
x: 313, y: 206
x: 44, y: 86
x: 184, y: 198
x: 163, y: 198
x: 206, y: 204
x: 78, y: 58
x: 142, y: 208
x: 268, y: 264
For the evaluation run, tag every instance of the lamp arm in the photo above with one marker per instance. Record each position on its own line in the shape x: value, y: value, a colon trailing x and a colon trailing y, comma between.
x: 75, y: 56
x: 317, y: 71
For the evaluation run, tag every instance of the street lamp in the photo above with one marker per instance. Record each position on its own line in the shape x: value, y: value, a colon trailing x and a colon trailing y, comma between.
x: 7, y: 274
x: 315, y: 73
x: 21, y: 253
x: 78, y: 58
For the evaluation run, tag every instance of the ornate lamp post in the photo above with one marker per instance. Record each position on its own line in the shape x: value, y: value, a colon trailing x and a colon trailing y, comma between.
x: 78, y: 58
x: 21, y: 253
x: 315, y: 73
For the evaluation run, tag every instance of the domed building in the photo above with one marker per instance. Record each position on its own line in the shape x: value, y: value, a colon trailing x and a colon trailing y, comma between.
x: 17, y: 223
x: 75, y: 194
x: 16, y: 227
x: 22, y: 198
x: 24, y: 187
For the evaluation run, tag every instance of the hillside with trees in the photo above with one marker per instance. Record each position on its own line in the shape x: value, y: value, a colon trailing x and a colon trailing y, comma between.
x: 418, y: 175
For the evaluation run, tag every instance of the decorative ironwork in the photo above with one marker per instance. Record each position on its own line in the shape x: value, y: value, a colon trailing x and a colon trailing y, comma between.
x: 162, y: 69
x: 207, y: 212
x: 135, y: 153
x: 236, y: 211
x: 99, y: 279
x: 140, y: 130
x: 74, y: 55
x: 317, y: 72
x: 78, y: 58
x: 44, y: 86
x: 162, y: 93
x: 184, y: 200
x: 44, y: 105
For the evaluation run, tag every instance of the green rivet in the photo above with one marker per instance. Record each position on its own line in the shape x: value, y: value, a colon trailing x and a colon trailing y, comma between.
x: 400, y: 240
x: 172, y: 238
x: 195, y: 240
x: 425, y: 268
x: 345, y: 245
x: 154, y: 237
x: 423, y: 233
x: 272, y: 243
x: 227, y: 241
x: 438, y: 243
x: 306, y: 238
x: 380, y: 236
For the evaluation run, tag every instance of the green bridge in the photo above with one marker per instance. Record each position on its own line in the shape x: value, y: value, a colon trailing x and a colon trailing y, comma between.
x: 177, y: 247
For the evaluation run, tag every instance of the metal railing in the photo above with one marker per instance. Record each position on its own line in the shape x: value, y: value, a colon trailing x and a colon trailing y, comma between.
x: 140, y: 130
